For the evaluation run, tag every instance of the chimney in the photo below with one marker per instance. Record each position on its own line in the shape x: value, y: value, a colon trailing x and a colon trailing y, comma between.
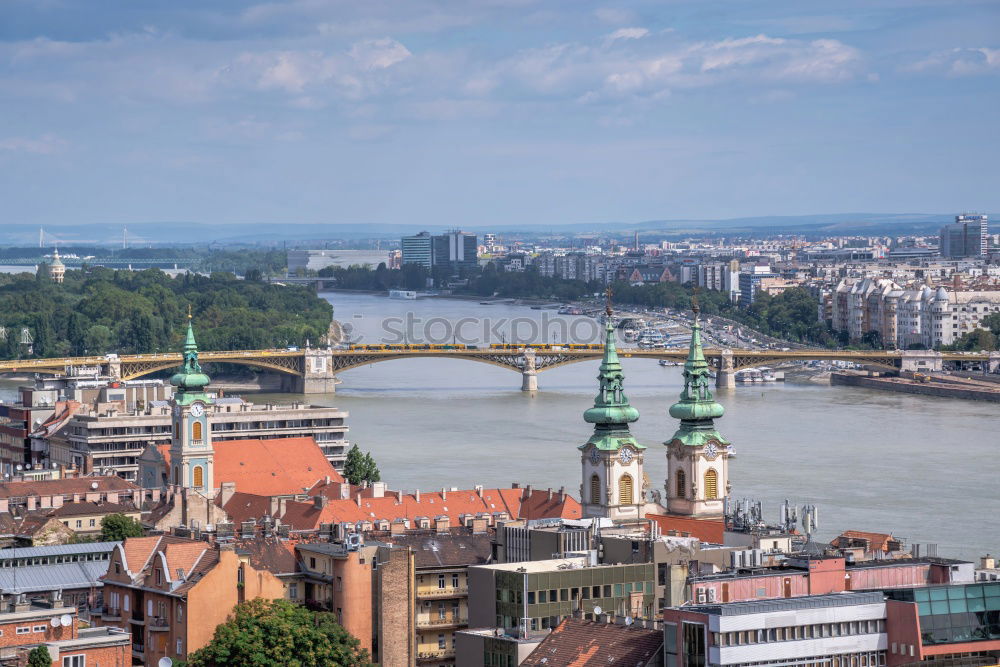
x: 442, y: 524
x: 358, y: 499
x: 112, y: 496
x: 4, y: 505
x: 282, y: 504
x: 416, y: 495
x: 228, y: 489
x: 562, y: 494
x: 515, y: 485
x: 274, y: 506
x: 46, y: 502
x: 479, y: 490
x: 345, y: 491
x: 326, y: 480
x: 444, y: 493
x: 478, y: 525
x: 527, y: 492
x: 550, y: 494
x: 32, y: 503
x: 398, y: 527
x: 319, y: 502
x: 378, y: 490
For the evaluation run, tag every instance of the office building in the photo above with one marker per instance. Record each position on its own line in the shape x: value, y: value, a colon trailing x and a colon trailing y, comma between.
x: 418, y: 249
x: 966, y: 237
x: 750, y: 281
x: 455, y: 251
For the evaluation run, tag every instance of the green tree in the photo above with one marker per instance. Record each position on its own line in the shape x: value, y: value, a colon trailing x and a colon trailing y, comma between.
x: 266, y: 633
x: 991, y: 322
x: 118, y: 527
x: 97, y: 339
x: 39, y: 657
x: 354, y: 465
x: 372, y: 473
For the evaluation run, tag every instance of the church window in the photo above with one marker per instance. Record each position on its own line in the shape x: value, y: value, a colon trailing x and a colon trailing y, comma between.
x: 711, y: 484
x: 625, y: 490
x: 595, y: 490
x: 199, y: 477
x: 196, y: 431
x: 681, y: 484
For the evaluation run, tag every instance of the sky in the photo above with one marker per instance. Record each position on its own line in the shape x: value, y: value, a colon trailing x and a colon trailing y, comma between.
x: 506, y: 112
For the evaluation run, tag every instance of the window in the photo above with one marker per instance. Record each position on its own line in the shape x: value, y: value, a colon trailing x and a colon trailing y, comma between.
x: 39, y: 628
x: 293, y: 591
x: 93, y: 522
x: 625, y: 490
x: 74, y: 661
x: 159, y: 576
x: 440, y: 581
x: 180, y: 647
x: 79, y: 523
x: 711, y: 484
x: 180, y: 611
x: 196, y: 431
x: 199, y: 475
x: 595, y: 490
x: 454, y: 580
x: 23, y: 630
x: 441, y: 643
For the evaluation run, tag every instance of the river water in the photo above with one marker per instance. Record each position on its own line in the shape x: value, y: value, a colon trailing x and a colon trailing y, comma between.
x: 924, y: 468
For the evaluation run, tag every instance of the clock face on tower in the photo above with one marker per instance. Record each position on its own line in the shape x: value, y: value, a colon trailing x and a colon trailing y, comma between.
x: 625, y: 455
x: 197, y: 410
x: 711, y: 451
x: 595, y: 456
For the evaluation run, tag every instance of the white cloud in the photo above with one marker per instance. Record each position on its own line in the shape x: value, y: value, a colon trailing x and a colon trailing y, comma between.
x: 613, y: 15
x: 47, y: 144
x: 628, y: 33
x: 379, y: 53
x: 960, y: 62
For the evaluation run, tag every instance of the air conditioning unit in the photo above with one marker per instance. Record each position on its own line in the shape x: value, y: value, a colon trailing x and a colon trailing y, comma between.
x: 701, y: 596
x: 711, y: 595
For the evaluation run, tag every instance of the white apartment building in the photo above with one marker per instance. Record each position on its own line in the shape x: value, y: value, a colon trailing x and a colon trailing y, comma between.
x: 925, y: 316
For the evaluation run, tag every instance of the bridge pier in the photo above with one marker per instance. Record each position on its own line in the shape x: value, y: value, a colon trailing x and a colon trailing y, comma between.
x: 529, y: 372
x: 725, y: 374
x: 992, y: 365
x: 317, y: 373
x: 920, y: 360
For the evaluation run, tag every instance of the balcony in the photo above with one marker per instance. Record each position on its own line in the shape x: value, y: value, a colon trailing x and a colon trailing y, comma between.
x: 438, y: 622
x: 158, y: 624
x: 448, y: 592
x: 111, y: 614
x: 137, y: 619
x: 439, y: 654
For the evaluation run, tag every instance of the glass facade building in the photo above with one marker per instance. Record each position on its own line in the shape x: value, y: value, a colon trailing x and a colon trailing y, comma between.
x: 956, y: 613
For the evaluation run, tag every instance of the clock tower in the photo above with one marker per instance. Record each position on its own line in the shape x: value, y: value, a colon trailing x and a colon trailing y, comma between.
x: 697, y: 455
x: 611, y: 460
x: 191, y: 455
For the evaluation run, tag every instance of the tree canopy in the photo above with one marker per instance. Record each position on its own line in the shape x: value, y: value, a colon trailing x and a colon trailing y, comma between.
x: 118, y: 527
x: 98, y: 310
x: 359, y: 468
x: 278, y: 633
x: 39, y: 657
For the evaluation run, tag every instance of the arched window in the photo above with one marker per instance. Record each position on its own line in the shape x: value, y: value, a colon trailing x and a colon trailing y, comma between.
x: 196, y: 431
x: 199, y: 477
x: 711, y: 484
x: 625, y: 490
x: 595, y: 490
x: 681, y: 484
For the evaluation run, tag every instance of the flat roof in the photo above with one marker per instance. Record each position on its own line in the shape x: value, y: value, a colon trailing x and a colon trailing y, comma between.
x: 58, y: 550
x: 787, y: 604
x: 538, y: 565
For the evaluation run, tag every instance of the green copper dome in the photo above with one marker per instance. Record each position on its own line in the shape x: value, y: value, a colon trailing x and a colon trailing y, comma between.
x: 189, y: 379
x: 612, y: 412
x: 697, y: 407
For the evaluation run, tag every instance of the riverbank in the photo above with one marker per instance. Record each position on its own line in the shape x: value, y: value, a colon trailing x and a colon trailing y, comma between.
x: 939, y: 386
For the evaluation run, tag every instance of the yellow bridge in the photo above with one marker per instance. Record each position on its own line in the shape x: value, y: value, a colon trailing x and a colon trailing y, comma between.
x: 314, y: 370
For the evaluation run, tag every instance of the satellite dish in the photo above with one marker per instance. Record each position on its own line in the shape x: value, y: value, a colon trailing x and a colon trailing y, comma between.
x: 628, y: 620
x: 55, y: 622
x: 597, y: 611
x: 164, y: 662
x: 66, y: 620
x: 94, y: 485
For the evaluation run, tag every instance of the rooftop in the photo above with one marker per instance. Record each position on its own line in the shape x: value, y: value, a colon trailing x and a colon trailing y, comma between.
x: 577, y: 643
x: 787, y: 604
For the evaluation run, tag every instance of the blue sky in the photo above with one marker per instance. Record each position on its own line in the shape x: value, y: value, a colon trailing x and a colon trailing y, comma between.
x: 494, y: 111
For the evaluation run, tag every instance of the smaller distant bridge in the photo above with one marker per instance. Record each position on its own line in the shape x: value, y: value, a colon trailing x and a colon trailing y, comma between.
x: 314, y: 370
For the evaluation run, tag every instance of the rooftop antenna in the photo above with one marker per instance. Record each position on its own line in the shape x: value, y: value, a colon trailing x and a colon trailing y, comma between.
x: 607, y: 300
x: 695, y: 308
x: 41, y: 236
x: 124, y: 237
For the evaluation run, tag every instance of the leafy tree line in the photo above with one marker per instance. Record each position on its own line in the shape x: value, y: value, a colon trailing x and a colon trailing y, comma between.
x: 360, y: 467
x: 266, y: 261
x: 98, y: 311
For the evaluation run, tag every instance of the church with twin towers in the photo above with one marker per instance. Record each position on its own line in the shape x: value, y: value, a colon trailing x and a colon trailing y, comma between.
x: 613, y: 484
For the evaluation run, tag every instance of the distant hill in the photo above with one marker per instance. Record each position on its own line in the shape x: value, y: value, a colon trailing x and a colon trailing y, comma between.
x: 177, y: 233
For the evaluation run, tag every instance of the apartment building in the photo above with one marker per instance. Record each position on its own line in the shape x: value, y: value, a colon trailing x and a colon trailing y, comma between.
x: 170, y: 593
x: 109, y: 437
x: 69, y: 572
x: 25, y: 626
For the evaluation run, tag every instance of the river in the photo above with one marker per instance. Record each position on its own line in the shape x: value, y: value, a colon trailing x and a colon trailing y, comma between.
x: 924, y: 468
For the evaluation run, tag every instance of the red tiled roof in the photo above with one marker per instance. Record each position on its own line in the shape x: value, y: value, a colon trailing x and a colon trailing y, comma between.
x: 273, y: 467
x: 517, y: 503
x: 65, y: 487
x: 876, y: 541
x: 706, y: 530
x: 577, y: 643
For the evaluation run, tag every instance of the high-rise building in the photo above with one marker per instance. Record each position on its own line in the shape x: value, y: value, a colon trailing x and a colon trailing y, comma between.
x: 966, y: 237
x: 455, y: 250
x: 697, y: 454
x: 418, y: 249
x: 611, y: 459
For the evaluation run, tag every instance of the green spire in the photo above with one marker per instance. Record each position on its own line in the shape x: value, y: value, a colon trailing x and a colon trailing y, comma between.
x: 697, y: 407
x: 189, y: 379
x: 612, y: 412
